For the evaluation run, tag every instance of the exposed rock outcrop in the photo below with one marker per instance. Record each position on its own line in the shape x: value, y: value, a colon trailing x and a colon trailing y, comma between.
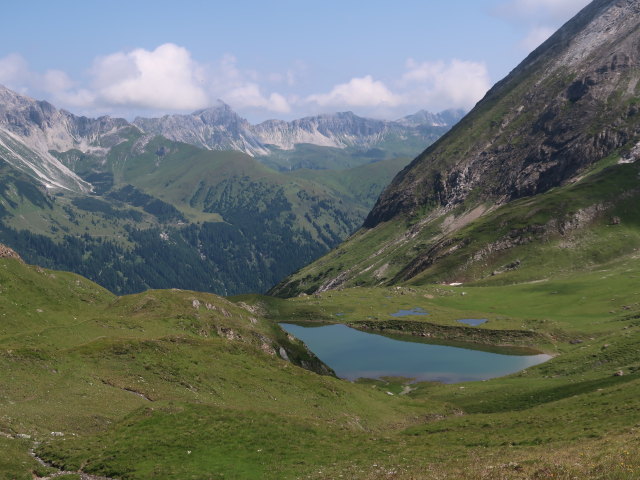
x: 566, y: 106
x: 6, y: 252
x: 220, y: 128
x: 31, y: 129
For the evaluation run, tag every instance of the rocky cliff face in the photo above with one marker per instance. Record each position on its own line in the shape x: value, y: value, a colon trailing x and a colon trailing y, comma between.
x: 572, y: 102
x: 442, y: 119
x: 30, y: 129
x: 220, y: 128
x: 338, y: 130
x: 215, y: 128
x: 6, y: 252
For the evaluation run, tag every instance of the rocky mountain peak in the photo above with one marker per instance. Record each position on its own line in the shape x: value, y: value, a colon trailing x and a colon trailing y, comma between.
x: 569, y: 104
x: 30, y: 129
x: 221, y: 113
x: 10, y: 100
x: 220, y: 128
x: 424, y: 117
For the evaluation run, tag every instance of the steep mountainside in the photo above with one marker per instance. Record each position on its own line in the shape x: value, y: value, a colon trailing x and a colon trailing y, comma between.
x: 571, y: 103
x: 543, y: 159
x: 30, y: 129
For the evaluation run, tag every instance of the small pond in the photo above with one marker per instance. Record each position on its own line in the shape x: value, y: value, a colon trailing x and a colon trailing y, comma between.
x: 354, y: 354
x: 474, y: 322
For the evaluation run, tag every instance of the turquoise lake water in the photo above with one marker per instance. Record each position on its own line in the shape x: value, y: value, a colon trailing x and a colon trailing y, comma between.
x: 353, y: 354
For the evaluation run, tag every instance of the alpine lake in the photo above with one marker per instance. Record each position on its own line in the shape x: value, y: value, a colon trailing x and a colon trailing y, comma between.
x: 355, y: 354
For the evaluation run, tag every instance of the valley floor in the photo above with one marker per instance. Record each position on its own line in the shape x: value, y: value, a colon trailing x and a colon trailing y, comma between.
x: 183, y: 385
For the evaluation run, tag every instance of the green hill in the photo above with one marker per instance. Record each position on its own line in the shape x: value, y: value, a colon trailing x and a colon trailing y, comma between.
x: 167, y: 214
x: 179, y: 384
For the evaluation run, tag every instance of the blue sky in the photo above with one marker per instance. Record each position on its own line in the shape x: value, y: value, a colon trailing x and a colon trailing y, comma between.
x: 269, y: 59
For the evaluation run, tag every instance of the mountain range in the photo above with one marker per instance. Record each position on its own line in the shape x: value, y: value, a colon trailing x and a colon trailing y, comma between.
x: 220, y: 128
x: 517, y: 232
x: 30, y: 130
x: 149, y: 210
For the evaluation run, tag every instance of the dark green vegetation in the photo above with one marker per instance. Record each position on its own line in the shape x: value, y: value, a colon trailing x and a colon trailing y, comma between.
x: 166, y: 214
x: 178, y: 384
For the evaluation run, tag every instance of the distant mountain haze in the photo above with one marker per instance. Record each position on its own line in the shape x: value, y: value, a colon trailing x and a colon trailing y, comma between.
x: 220, y: 128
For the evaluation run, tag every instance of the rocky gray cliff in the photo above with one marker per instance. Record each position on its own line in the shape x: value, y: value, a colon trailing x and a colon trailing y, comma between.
x: 570, y: 103
x: 446, y: 118
x: 31, y: 129
x: 6, y: 252
x: 215, y: 128
x: 220, y: 128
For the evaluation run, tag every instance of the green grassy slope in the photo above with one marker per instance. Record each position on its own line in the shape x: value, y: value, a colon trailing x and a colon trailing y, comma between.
x: 232, y: 183
x: 78, y: 360
x: 179, y: 384
x: 167, y: 214
x: 363, y: 184
x: 569, y: 228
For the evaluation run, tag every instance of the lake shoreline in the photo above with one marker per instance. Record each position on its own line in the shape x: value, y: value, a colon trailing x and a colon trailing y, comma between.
x: 517, y: 342
x: 356, y: 353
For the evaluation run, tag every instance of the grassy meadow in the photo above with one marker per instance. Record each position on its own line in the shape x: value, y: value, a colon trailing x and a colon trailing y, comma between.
x: 178, y: 385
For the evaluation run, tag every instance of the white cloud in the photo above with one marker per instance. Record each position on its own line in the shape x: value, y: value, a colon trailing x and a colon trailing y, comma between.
x: 454, y: 84
x: 157, y: 81
x: 55, y: 81
x: 55, y: 85
x: 242, y: 89
x: 358, y: 92
x: 165, y: 78
x: 249, y: 95
x: 538, y: 18
x: 431, y: 85
x: 14, y: 72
